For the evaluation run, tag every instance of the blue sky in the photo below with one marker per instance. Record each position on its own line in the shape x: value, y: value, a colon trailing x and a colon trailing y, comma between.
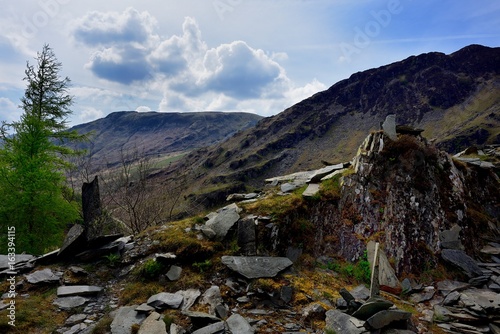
x: 258, y: 56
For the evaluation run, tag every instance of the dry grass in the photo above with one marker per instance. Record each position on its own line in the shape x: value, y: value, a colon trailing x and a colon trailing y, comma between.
x: 35, y: 314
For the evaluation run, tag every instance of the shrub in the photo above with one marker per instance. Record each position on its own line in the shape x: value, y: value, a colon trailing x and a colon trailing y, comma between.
x: 151, y: 269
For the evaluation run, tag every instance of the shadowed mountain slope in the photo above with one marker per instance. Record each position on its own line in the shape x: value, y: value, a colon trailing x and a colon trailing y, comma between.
x: 455, y: 98
x: 159, y: 133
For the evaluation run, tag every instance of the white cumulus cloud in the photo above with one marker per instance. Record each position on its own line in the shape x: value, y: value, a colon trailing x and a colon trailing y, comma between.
x: 128, y: 50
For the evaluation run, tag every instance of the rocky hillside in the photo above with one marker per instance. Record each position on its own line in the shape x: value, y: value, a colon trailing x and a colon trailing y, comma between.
x: 455, y: 98
x: 158, y: 133
x: 297, y: 257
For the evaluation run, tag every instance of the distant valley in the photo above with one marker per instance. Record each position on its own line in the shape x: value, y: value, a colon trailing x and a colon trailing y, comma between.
x: 157, y: 134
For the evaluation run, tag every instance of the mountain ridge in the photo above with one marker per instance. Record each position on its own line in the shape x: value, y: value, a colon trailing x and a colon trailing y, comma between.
x: 158, y: 133
x: 455, y: 98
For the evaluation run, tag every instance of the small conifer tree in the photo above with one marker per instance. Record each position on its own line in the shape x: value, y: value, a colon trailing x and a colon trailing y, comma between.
x: 32, y: 161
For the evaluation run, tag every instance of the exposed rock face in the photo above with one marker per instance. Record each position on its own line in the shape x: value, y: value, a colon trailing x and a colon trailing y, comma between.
x: 405, y: 193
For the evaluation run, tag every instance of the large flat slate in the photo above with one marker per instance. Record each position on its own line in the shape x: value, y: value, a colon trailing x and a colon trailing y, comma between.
x: 256, y: 266
x: 78, y: 290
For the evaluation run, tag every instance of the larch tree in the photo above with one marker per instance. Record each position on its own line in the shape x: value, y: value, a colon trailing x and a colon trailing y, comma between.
x: 32, y: 161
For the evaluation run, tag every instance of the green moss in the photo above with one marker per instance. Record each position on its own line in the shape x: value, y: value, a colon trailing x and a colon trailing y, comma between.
x: 151, y: 269
x: 330, y: 189
x: 203, y: 266
x: 360, y: 270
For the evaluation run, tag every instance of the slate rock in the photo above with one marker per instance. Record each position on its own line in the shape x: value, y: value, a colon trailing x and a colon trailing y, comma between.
x: 75, y: 276
x: 494, y: 287
x: 289, y: 187
x: 174, y: 273
x: 463, y: 261
x: 19, y: 261
x: 176, y: 329
x: 125, y: 318
x: 201, y: 319
x: 371, y: 307
x: 480, y: 300
x: 342, y: 304
x: 223, y: 221
x: 384, y: 318
x: 389, y: 127
x: 47, y: 258
x: 153, y: 325
x: 144, y: 308
x: 76, y: 329
x: 114, y: 247
x: 215, y: 328
x: 256, y: 266
x: 321, y: 173
x: 235, y: 197
x: 331, y: 175
x: 164, y: 300
x: 208, y: 232
x: 68, y: 303
x: 294, y: 253
x: 348, y: 297
x: 313, y: 311
x: 247, y: 236
x: 165, y: 258
x: 189, y: 297
x: 452, y: 298
x: 74, y: 242
x: 386, y: 275
x: 423, y: 296
x: 311, y: 190
x: 406, y: 286
x: 78, y: 290
x: 360, y: 292
x: 43, y: 276
x: 490, y: 250
x: 441, y: 314
x: 447, y: 286
x: 212, y: 297
x: 450, y: 239
x: 479, y: 280
x: 286, y: 293
x: 341, y: 323
x: 4, y: 305
x: 221, y: 311
x: 75, y: 319
x: 238, y: 324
